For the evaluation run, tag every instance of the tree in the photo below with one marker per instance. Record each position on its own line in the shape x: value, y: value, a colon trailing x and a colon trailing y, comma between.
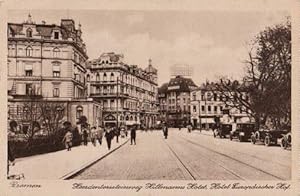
x: 267, y: 81
x: 52, y: 114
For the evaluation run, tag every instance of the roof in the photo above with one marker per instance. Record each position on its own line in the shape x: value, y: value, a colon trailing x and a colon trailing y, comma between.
x: 163, y: 88
x: 181, y: 84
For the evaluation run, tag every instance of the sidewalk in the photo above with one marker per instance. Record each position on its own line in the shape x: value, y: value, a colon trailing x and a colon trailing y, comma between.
x: 60, y: 164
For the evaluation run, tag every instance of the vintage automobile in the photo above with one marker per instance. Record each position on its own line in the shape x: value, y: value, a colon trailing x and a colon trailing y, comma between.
x: 222, y: 130
x: 286, y: 141
x: 267, y: 136
x: 243, y: 131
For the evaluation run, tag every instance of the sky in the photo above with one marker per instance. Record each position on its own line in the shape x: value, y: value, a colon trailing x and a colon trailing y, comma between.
x: 214, y: 42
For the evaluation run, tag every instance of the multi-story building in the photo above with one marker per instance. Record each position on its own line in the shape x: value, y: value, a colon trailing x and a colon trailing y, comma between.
x: 47, y: 62
x: 128, y: 93
x: 207, y: 104
x: 175, y: 99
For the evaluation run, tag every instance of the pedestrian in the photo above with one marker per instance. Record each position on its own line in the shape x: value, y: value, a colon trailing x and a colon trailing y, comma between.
x: 189, y: 127
x: 93, y: 135
x: 133, y: 135
x: 100, y: 135
x: 68, y: 140
x: 117, y: 133
x: 85, y: 136
x: 165, y: 131
x: 108, y: 136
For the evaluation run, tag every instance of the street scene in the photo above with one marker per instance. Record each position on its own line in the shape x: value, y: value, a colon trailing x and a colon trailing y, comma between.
x: 149, y: 95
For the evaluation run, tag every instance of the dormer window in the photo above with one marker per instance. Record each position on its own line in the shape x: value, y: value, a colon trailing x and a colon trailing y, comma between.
x: 56, y: 35
x: 29, y: 32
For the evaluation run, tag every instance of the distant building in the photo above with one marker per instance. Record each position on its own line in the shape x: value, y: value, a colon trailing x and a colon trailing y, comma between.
x: 127, y: 93
x: 207, y: 105
x: 174, y: 99
x: 47, y: 62
x: 181, y: 70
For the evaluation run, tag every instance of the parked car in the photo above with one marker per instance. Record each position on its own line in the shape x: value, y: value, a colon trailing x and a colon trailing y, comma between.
x: 223, y: 130
x: 243, y: 131
x: 267, y: 136
x: 286, y: 141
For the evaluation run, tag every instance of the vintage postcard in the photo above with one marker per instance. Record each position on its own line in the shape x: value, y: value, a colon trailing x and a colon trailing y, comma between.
x: 149, y: 98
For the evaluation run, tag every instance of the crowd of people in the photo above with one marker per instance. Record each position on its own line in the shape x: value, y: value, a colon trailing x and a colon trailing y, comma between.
x: 96, y: 134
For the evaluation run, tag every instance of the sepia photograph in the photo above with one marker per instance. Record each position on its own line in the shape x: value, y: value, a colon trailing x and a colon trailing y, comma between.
x: 149, y: 95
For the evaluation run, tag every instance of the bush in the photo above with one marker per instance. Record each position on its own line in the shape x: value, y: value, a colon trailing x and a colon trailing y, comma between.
x: 21, y: 147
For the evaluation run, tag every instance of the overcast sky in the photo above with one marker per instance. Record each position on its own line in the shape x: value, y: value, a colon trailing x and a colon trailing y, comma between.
x: 214, y: 43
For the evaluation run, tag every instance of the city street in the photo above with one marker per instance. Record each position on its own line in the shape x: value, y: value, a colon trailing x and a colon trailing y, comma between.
x: 191, y: 156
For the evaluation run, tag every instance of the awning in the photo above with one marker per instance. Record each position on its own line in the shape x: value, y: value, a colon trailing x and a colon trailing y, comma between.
x: 28, y: 67
x: 207, y: 120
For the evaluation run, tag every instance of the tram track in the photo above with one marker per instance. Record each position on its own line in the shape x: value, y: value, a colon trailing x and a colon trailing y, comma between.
x: 233, y: 159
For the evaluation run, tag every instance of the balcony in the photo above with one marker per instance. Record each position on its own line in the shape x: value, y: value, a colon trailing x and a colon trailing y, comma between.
x: 108, y: 94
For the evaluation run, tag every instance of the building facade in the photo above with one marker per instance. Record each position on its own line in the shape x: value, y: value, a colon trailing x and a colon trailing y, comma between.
x: 47, y: 62
x: 174, y: 99
x: 207, y: 104
x: 128, y: 94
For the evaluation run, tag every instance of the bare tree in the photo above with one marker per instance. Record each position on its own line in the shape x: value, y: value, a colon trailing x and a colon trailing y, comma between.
x: 268, y: 78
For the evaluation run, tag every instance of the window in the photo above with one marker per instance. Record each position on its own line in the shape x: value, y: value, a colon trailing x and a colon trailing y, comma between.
x: 112, y: 103
x: 183, y: 100
x: 56, y: 52
x: 56, y: 70
x: 112, y: 77
x: 29, y: 32
x: 97, y: 77
x: 216, y: 108
x: 29, y: 51
x: 79, y: 111
x: 194, y: 108
x: 209, y: 108
x: 88, y: 78
x: 28, y: 72
x: 56, y: 35
x: 202, y: 108
x: 202, y: 96
x: 215, y: 97
x: 29, y: 90
x: 194, y: 96
x: 104, y: 77
x: 55, y: 92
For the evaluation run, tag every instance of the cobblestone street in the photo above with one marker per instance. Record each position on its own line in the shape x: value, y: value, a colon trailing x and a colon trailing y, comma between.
x: 191, y: 156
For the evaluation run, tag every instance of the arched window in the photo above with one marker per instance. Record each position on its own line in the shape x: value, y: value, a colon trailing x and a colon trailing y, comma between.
x: 29, y: 51
x: 131, y: 118
x: 112, y: 77
x: 29, y: 32
x: 79, y: 111
x: 88, y: 78
x: 127, y: 118
x: 104, y: 77
x: 97, y: 77
x: 56, y: 52
x: 135, y: 118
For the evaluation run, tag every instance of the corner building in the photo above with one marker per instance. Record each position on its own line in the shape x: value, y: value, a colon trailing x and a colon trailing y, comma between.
x: 47, y: 62
x: 127, y: 93
x: 174, y: 99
